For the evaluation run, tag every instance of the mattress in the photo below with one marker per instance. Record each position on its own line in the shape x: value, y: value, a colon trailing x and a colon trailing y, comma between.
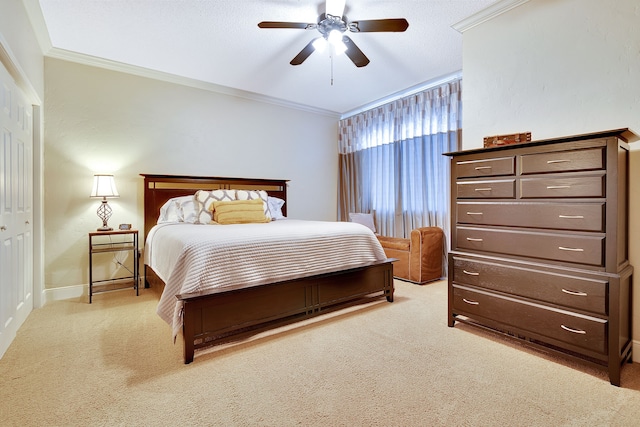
x: 192, y: 258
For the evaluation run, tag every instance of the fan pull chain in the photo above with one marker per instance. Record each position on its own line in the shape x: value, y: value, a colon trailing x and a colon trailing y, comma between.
x: 331, y: 56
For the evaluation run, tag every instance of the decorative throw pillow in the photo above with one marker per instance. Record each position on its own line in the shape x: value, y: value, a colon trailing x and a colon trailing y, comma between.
x: 204, y: 200
x: 253, y: 195
x: 364, y: 219
x: 239, y: 212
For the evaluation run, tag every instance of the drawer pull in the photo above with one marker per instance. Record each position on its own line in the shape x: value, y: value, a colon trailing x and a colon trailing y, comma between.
x: 577, y: 293
x: 575, y: 331
x: 468, y: 301
x: 558, y: 161
x: 562, y: 248
x: 483, y: 189
x: 474, y: 213
x: 571, y: 216
x: 470, y: 273
x: 482, y: 167
x: 557, y: 187
x: 474, y: 239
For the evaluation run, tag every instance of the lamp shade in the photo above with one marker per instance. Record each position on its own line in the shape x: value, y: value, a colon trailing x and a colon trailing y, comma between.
x: 104, y: 186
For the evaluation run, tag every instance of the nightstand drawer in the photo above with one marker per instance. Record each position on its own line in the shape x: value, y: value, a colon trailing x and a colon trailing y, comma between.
x: 569, y: 187
x: 499, y: 189
x: 582, y: 331
x: 489, y: 167
x: 562, y: 161
x: 561, y: 216
x: 574, y: 248
x: 569, y: 291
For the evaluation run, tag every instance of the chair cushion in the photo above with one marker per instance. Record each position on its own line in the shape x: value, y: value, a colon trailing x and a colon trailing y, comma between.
x: 397, y: 243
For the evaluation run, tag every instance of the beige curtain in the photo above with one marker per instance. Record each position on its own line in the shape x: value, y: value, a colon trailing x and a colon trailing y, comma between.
x: 392, y: 163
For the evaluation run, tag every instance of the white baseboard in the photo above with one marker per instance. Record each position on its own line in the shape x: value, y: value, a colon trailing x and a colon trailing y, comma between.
x: 74, y: 291
x: 66, y: 292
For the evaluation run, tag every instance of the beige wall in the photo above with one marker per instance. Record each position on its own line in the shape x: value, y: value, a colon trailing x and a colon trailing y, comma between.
x: 556, y: 68
x: 101, y: 121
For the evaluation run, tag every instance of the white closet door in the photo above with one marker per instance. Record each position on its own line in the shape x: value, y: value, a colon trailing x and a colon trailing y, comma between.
x: 16, y: 210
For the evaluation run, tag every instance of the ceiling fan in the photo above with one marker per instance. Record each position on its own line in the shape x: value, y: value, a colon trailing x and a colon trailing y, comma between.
x: 332, y: 25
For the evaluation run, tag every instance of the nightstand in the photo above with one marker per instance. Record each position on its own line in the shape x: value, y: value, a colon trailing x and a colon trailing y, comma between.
x: 114, y: 241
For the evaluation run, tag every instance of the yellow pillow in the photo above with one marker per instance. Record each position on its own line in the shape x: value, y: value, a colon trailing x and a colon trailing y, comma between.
x: 238, y: 212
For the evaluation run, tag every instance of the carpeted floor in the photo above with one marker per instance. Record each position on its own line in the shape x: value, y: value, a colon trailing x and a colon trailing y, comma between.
x: 113, y: 363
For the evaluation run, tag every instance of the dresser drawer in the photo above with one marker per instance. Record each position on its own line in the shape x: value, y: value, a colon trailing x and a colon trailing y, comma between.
x: 582, y: 331
x: 566, y: 187
x: 498, y: 189
x: 570, y: 291
x: 560, y: 216
x: 579, y: 249
x: 488, y: 167
x: 562, y: 161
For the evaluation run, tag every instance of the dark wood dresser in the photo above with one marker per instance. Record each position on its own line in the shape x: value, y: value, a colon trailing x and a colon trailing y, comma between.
x: 539, y: 245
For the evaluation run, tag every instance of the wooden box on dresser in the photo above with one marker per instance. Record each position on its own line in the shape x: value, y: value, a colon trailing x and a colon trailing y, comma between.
x: 539, y: 245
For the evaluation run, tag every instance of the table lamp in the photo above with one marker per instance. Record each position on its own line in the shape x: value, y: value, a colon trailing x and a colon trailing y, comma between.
x: 104, y: 186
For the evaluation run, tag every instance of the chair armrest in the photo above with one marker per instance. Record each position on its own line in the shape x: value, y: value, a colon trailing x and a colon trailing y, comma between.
x: 427, y: 245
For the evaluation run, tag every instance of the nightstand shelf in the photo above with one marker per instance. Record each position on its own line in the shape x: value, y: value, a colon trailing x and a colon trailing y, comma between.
x: 102, y: 242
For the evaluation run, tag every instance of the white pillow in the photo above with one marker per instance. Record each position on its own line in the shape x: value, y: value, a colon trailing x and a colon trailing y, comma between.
x: 275, y: 207
x: 364, y: 219
x: 189, y: 211
x: 177, y: 209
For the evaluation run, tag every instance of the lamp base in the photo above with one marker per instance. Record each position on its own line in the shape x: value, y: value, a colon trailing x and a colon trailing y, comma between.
x: 105, y: 229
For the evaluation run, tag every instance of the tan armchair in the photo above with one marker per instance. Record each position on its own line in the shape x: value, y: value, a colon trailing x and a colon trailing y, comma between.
x: 419, y: 256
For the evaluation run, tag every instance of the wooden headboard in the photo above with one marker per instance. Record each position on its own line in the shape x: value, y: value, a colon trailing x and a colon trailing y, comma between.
x: 160, y: 188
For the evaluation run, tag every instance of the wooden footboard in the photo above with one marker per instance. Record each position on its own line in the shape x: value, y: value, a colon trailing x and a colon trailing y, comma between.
x: 218, y: 316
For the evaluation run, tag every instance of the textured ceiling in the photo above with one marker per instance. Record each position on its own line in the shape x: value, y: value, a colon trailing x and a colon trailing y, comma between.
x: 219, y: 42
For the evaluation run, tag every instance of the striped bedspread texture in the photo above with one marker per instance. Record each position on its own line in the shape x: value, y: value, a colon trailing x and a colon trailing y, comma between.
x: 191, y: 258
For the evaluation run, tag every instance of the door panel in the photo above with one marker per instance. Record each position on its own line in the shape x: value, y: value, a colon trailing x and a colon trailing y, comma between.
x: 16, y: 213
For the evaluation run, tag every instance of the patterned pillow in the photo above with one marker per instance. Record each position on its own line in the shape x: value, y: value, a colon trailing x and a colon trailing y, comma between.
x: 204, y: 200
x: 253, y: 195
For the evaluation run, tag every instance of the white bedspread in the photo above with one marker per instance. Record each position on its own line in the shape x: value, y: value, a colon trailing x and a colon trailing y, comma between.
x: 191, y: 258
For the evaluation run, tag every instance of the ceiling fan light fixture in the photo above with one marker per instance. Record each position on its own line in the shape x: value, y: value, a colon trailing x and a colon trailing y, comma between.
x: 335, y: 37
x: 339, y: 47
x: 319, y: 44
x: 332, y: 26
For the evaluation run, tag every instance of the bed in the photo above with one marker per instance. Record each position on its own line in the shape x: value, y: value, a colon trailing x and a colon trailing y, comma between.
x: 208, y: 316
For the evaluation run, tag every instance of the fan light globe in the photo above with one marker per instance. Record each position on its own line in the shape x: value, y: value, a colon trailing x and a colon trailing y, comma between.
x: 335, y: 37
x: 319, y: 44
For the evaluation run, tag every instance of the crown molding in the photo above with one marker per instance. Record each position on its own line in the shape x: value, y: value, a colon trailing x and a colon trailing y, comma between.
x: 34, y: 13
x: 486, y: 14
x: 107, y: 64
x: 12, y: 65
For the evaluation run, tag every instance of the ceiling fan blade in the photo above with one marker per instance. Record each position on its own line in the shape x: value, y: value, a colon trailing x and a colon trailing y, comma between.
x: 278, y: 24
x: 379, y: 25
x: 335, y: 7
x: 354, y: 53
x: 304, y: 53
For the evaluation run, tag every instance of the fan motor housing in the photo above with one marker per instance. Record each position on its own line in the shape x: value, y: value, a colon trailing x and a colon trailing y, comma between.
x: 329, y: 23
